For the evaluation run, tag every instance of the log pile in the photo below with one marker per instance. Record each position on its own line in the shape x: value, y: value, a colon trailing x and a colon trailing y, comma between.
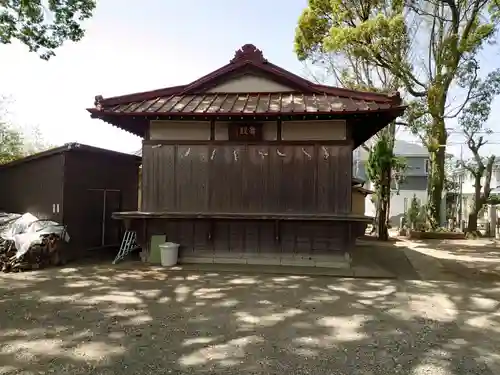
x: 39, y: 255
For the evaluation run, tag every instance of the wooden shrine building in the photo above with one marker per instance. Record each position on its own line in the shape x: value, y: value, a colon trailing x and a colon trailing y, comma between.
x: 251, y: 163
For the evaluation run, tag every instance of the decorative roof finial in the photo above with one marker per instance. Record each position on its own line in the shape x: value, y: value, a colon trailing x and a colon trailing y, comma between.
x: 97, y: 101
x: 249, y: 53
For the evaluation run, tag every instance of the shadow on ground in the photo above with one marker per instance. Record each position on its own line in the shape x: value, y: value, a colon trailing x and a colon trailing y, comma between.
x: 386, y: 256
x: 134, y: 319
x: 452, y: 261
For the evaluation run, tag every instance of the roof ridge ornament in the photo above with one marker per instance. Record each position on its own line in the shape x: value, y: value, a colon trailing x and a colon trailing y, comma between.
x: 248, y: 52
x: 98, y: 102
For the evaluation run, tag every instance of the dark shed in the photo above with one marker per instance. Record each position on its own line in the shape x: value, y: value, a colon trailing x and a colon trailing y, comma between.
x: 77, y: 185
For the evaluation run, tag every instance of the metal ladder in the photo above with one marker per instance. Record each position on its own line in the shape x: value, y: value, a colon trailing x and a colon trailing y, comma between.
x: 129, y: 243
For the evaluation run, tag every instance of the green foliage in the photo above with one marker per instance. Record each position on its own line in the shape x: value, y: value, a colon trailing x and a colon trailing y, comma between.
x: 355, y: 73
x: 478, y: 109
x: 373, y: 31
x: 451, y: 182
x: 415, y: 216
x: 443, y: 230
x: 34, y: 141
x: 389, y: 34
x: 43, y: 25
x: 413, y: 211
x: 422, y: 224
x: 494, y: 199
x: 472, y: 123
x: 15, y: 142
x: 450, y: 185
x: 11, y: 144
x: 381, y: 158
x: 382, y: 167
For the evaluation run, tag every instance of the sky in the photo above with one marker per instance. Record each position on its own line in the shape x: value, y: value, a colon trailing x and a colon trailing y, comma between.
x: 133, y: 46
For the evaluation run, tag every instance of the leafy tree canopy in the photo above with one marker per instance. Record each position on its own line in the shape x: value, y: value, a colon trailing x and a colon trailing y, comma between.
x: 472, y: 123
x: 43, y: 25
x: 380, y: 32
x: 428, y: 45
x: 11, y: 144
x: 17, y: 142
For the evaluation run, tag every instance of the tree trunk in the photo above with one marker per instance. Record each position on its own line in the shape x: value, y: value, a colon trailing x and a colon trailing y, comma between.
x: 388, y: 210
x: 382, y: 233
x: 385, y: 189
x: 492, y: 220
x: 437, y: 151
x: 480, y: 198
x: 389, y: 173
x: 472, y: 224
x: 389, y: 135
x: 477, y: 204
x: 375, y: 220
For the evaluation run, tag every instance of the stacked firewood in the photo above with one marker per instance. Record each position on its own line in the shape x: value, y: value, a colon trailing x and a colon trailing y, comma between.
x: 39, y: 255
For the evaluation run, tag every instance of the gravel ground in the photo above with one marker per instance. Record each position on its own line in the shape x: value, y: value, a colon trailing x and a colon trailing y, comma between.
x: 477, y: 260
x: 124, y: 320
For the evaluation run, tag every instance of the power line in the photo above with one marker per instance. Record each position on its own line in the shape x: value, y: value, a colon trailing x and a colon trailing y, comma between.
x: 464, y: 143
x: 481, y: 132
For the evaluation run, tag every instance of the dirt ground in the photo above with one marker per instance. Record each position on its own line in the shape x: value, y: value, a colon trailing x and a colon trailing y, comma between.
x: 474, y: 260
x: 133, y: 319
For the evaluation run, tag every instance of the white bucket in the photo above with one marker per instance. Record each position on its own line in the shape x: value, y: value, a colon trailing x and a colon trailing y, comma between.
x: 169, y: 252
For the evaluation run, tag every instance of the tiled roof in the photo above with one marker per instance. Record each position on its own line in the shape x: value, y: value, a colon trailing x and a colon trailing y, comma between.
x: 238, y: 103
x: 197, y: 98
x: 298, y: 97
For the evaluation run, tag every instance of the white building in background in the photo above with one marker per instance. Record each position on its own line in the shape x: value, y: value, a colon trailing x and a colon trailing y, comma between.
x: 415, y: 182
x: 464, y: 177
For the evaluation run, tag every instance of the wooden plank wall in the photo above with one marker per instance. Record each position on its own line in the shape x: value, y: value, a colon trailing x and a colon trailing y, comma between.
x: 247, y: 178
x: 205, y: 238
